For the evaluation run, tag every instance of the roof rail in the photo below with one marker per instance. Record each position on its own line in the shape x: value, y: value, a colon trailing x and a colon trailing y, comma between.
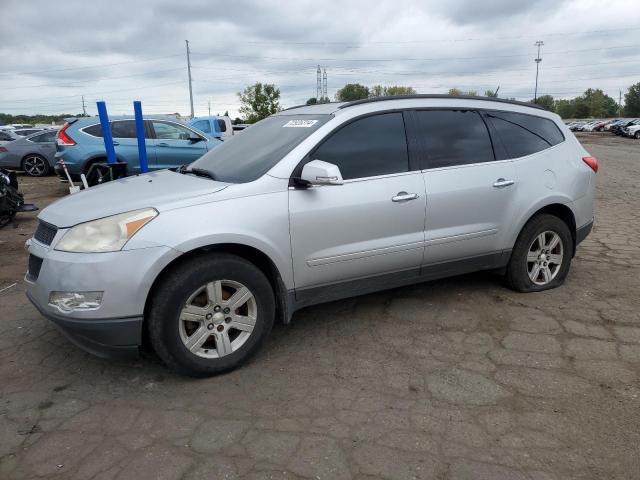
x: 436, y: 95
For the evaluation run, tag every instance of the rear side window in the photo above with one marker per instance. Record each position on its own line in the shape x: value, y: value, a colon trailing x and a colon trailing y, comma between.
x: 367, y: 147
x: 123, y: 129
x: 95, y: 130
x: 222, y: 126
x: 453, y: 137
x: 44, y: 137
x: 522, y: 135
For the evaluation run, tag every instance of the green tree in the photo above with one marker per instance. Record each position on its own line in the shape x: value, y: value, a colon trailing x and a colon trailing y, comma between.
x: 351, y: 92
x: 258, y: 101
x: 565, y: 108
x: 545, y: 101
x: 491, y: 93
x: 632, y: 101
x: 312, y: 101
x: 226, y: 114
x: 397, y: 90
x: 457, y: 92
x: 377, y: 91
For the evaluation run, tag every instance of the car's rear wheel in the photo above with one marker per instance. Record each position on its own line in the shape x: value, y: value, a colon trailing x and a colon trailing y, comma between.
x: 637, y: 135
x: 35, y: 166
x: 541, y: 256
x: 210, y: 314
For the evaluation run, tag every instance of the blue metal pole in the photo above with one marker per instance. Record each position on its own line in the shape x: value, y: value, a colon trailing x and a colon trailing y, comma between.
x: 142, y: 147
x: 106, y: 132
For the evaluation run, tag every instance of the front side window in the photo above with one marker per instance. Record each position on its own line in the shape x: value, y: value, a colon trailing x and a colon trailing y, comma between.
x: 368, y: 147
x: 170, y: 131
x: 453, y: 137
x: 203, y: 126
x: 522, y: 134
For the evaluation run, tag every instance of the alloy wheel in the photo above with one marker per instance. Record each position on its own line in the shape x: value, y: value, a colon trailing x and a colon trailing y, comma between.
x: 218, y: 318
x: 544, y: 257
x: 35, y: 166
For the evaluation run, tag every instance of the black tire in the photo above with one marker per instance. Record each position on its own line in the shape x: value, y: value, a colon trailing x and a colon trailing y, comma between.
x: 44, y: 169
x: 517, y: 275
x: 173, y: 291
x: 637, y: 135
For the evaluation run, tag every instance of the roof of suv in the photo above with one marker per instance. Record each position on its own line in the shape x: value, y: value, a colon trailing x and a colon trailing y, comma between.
x: 332, y: 107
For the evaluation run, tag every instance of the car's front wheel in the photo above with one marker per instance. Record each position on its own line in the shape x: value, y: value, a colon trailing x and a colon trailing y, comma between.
x: 637, y: 135
x: 210, y: 314
x: 541, y: 257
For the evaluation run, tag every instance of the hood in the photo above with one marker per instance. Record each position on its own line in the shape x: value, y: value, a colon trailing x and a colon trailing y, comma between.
x: 157, y: 189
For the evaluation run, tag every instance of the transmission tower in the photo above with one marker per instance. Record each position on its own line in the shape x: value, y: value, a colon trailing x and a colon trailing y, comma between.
x: 318, y: 83
x: 324, y: 84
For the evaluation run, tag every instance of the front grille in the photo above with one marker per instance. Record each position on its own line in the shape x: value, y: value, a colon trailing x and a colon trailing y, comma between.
x: 45, y: 233
x: 35, y: 264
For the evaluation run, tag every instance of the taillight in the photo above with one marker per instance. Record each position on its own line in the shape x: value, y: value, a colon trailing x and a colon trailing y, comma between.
x: 2, y: 149
x: 592, y: 162
x: 63, y: 138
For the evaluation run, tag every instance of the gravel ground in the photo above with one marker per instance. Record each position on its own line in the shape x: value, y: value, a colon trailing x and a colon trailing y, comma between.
x: 455, y: 379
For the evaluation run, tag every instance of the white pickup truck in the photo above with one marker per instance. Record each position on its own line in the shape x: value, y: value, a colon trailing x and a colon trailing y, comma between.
x: 214, y: 126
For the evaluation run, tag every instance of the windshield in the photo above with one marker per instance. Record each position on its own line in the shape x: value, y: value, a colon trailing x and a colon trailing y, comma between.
x: 246, y: 157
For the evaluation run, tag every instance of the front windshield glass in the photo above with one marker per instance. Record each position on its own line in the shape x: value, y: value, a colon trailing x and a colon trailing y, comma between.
x: 248, y: 155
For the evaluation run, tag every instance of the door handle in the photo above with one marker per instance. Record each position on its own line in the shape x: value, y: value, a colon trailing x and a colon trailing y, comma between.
x: 162, y: 144
x: 116, y: 143
x: 404, y: 197
x: 501, y: 183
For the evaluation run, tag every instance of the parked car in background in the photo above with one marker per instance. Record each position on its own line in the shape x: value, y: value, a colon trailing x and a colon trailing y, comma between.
x: 217, y: 127
x: 7, y: 136
x: 310, y: 205
x: 619, y: 129
x: 632, y: 131
x: 238, y: 127
x: 576, y: 126
x: 23, y: 132
x: 35, y: 153
x: 169, y: 144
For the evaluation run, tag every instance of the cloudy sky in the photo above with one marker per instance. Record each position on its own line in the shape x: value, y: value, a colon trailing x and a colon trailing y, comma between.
x: 52, y: 53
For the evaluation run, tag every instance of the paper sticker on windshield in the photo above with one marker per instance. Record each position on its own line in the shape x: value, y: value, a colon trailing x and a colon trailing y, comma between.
x: 300, y: 123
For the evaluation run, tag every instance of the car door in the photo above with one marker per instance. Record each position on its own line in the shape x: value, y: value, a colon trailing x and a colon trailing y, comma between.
x: 125, y: 142
x: 173, y: 146
x: 371, y: 225
x: 46, y: 145
x: 469, y: 193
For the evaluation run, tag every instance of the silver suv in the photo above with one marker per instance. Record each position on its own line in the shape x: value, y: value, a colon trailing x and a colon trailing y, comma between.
x: 307, y: 206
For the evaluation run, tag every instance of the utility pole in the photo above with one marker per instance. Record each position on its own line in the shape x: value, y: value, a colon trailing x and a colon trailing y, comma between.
x: 619, y: 103
x: 539, y: 43
x: 84, y: 108
x: 318, y: 84
x: 189, y: 73
x: 324, y: 85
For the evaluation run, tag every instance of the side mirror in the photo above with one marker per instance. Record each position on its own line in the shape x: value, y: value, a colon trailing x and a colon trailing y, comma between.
x: 317, y: 172
x: 195, y: 139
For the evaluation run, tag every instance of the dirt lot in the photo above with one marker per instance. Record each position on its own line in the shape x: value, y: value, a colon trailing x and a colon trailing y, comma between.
x: 456, y: 379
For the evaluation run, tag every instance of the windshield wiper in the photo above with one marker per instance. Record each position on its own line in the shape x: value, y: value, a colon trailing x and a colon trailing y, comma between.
x: 200, y: 172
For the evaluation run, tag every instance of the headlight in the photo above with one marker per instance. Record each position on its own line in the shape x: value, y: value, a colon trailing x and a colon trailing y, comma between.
x: 108, y: 234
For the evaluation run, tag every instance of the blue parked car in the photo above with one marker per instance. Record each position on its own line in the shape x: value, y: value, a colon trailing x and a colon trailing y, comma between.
x: 169, y: 142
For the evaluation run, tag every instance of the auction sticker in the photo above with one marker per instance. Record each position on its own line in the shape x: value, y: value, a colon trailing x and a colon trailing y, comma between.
x: 300, y: 123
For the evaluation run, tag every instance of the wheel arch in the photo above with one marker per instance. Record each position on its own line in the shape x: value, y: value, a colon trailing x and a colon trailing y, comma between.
x: 256, y: 256
x: 559, y: 210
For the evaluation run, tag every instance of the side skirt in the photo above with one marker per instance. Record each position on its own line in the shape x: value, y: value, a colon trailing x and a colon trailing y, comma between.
x: 304, y: 297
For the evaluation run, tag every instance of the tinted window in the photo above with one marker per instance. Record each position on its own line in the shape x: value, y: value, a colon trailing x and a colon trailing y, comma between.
x: 222, y: 126
x: 123, y: 129
x: 5, y: 136
x: 368, y: 147
x: 171, y: 131
x: 522, y: 134
x: 453, y: 137
x: 44, y: 137
x: 203, y: 126
x: 246, y: 157
x: 95, y: 130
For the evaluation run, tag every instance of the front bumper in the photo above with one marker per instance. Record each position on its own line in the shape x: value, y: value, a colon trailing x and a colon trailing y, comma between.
x: 107, y: 338
x: 114, y: 329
